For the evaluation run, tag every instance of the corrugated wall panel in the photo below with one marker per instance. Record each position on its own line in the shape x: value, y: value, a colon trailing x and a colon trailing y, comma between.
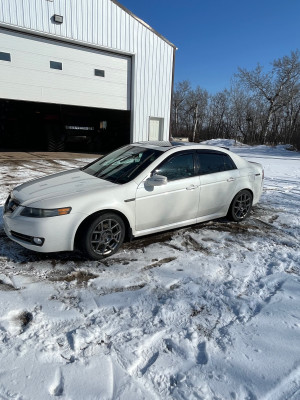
x: 114, y: 32
x: 66, y: 27
x: 84, y: 7
x: 38, y: 12
x: 95, y: 24
x: 103, y: 23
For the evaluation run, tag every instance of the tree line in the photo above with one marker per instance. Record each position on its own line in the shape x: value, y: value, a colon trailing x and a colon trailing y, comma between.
x: 261, y: 107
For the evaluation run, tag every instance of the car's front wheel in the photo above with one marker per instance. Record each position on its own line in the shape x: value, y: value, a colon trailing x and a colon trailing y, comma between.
x: 241, y: 206
x: 103, y: 236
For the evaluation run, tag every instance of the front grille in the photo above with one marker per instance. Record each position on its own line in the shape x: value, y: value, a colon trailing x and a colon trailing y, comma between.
x: 11, y: 205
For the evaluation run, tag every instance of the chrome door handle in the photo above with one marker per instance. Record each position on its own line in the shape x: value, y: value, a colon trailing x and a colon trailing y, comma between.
x: 192, y: 187
x: 230, y: 179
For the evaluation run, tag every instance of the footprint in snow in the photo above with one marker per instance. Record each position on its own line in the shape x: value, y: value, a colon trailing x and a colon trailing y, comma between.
x: 202, y: 357
x: 66, y: 347
x: 57, y: 387
x: 150, y: 362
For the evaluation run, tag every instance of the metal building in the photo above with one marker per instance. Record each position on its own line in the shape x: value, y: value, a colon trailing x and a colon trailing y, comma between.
x: 81, y: 69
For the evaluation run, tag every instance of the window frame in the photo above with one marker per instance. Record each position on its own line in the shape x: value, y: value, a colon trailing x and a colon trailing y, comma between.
x: 208, y: 151
x: 178, y: 153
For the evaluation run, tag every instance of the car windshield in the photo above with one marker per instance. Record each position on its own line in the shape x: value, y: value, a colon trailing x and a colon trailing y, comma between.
x: 122, y: 165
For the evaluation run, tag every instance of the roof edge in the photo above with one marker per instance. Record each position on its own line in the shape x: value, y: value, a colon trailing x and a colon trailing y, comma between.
x: 143, y: 23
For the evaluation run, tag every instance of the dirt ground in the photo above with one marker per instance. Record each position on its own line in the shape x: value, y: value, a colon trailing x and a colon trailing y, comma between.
x: 30, y: 156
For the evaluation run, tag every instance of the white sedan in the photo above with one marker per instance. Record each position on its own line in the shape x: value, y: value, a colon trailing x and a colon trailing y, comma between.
x: 136, y: 190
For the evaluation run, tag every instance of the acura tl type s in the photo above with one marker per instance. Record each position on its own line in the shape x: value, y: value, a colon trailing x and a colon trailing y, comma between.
x: 136, y: 190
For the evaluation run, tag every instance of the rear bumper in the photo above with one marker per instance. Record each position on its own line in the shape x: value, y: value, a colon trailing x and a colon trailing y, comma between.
x: 258, y: 188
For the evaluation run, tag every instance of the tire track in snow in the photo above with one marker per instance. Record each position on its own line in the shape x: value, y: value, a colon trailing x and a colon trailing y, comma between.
x: 287, y: 389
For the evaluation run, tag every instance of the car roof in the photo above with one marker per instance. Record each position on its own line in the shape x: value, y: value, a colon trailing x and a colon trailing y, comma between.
x: 162, y: 145
x: 177, y: 146
x: 167, y: 145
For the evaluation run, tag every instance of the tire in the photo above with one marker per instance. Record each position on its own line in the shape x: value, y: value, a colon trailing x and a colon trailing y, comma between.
x: 240, y: 206
x: 103, y: 236
x: 55, y: 139
x: 51, y: 144
x: 60, y: 144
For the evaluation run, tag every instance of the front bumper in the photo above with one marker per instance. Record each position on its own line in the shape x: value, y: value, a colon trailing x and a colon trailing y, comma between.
x: 56, y: 233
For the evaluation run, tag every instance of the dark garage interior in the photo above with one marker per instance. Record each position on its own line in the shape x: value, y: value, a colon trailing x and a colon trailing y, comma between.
x: 32, y: 126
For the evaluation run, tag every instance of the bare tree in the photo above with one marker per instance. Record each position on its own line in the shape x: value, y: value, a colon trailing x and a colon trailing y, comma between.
x: 219, y: 114
x: 274, y: 86
x: 260, y: 107
x: 196, y: 106
x: 179, y: 97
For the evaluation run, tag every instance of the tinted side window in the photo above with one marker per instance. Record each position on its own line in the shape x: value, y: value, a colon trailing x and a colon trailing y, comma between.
x: 210, y: 163
x: 228, y: 163
x: 177, y: 167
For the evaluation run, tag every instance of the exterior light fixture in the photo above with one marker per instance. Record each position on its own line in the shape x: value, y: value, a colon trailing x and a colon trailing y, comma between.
x: 59, y: 19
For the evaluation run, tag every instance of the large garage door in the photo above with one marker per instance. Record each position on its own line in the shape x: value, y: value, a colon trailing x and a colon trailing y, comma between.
x: 41, y: 70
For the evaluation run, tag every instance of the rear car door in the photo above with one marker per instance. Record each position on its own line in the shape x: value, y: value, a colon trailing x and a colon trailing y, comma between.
x: 218, y: 180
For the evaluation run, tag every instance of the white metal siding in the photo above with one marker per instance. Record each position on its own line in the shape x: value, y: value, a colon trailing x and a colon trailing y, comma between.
x: 105, y: 24
x: 29, y: 77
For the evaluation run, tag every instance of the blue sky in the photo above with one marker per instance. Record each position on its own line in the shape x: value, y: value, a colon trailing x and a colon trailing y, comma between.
x: 215, y: 37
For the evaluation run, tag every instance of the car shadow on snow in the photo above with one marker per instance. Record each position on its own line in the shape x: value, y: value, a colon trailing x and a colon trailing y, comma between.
x: 249, y: 226
x: 14, y: 252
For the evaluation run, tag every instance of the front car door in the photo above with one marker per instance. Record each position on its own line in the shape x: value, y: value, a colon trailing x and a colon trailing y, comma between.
x: 175, y: 203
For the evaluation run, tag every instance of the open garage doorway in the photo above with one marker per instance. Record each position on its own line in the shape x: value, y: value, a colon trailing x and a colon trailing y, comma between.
x: 33, y: 126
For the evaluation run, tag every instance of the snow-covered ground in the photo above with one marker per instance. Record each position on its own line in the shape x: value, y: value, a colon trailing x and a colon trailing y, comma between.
x: 207, y: 312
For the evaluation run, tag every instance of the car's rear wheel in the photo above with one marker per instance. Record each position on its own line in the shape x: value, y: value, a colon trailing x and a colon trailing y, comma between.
x: 241, y: 206
x: 103, y: 236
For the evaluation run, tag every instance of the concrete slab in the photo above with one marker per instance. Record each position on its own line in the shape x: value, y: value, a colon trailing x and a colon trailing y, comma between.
x: 28, y: 156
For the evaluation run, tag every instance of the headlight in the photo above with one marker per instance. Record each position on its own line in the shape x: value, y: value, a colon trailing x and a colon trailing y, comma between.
x: 44, y: 213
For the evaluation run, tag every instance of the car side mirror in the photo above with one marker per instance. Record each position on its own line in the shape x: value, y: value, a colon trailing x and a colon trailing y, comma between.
x: 157, y: 180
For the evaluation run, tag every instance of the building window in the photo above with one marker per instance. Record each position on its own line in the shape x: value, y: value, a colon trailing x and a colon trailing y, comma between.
x: 55, y: 65
x: 100, y: 72
x: 5, y: 56
x: 103, y: 125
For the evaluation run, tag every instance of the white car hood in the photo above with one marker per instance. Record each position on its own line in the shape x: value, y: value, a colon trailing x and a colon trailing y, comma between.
x: 61, y: 184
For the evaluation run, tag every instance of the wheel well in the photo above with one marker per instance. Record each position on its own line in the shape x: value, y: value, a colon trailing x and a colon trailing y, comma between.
x: 248, y: 190
x: 85, y: 222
